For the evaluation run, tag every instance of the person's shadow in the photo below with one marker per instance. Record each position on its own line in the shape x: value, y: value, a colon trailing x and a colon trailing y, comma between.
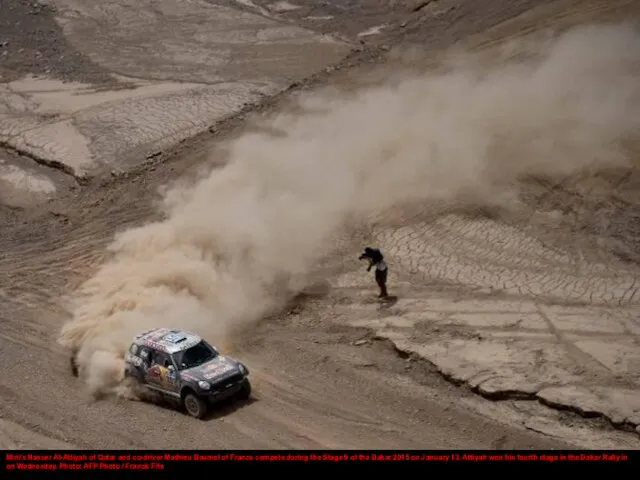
x: 388, y: 302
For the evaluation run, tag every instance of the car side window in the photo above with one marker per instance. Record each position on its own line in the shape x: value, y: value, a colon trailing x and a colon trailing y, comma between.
x: 162, y: 359
x: 144, y: 354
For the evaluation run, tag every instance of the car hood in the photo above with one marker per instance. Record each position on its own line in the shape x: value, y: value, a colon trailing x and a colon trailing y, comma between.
x: 214, y: 370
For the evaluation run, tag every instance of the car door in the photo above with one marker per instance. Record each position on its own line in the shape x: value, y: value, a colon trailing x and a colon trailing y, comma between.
x: 162, y: 373
x: 153, y: 369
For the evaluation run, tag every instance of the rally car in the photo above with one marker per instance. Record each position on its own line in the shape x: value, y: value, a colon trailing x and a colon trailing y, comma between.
x: 182, y: 367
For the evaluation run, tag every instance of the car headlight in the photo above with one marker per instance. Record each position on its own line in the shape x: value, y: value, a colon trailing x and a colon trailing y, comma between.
x: 243, y: 369
x: 204, y: 385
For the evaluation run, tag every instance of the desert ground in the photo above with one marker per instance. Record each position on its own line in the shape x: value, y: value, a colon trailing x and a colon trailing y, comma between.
x: 219, y: 165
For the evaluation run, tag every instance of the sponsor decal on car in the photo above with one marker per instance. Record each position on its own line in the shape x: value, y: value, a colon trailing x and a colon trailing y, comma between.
x: 217, y: 369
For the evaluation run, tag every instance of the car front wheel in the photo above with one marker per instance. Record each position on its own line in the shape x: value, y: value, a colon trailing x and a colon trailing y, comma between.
x: 245, y: 390
x: 194, y: 405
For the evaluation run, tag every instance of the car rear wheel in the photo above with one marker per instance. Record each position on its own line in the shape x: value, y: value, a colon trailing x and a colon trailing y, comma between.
x: 245, y: 390
x: 133, y: 374
x: 194, y: 405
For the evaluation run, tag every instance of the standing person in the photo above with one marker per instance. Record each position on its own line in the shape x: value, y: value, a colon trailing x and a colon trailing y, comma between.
x: 376, y: 259
x: 74, y: 364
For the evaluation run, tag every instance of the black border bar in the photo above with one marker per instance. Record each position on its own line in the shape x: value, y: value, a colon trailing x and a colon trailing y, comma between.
x: 68, y: 461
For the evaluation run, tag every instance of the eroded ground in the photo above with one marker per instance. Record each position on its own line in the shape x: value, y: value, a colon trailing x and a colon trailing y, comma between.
x: 534, y: 308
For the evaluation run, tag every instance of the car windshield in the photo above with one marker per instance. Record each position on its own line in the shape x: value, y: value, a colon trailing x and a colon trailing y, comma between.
x: 194, y: 356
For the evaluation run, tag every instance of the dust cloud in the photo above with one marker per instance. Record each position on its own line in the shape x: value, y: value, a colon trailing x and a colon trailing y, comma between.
x: 237, y: 243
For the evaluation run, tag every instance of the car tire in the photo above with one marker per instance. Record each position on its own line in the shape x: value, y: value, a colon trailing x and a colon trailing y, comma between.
x: 245, y: 390
x: 133, y: 374
x: 194, y: 405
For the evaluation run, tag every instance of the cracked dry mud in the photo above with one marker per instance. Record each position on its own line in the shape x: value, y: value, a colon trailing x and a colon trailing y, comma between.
x: 535, y: 308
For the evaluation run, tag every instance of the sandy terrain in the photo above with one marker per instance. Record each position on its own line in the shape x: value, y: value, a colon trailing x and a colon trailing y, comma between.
x: 502, y: 187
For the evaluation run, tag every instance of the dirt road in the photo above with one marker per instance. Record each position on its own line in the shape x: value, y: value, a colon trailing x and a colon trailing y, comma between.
x: 328, y: 370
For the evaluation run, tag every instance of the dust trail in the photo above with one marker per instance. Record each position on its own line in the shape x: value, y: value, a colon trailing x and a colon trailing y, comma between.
x: 238, y: 242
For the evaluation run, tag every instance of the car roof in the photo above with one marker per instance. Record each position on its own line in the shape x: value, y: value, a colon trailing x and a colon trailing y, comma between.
x: 168, y: 340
